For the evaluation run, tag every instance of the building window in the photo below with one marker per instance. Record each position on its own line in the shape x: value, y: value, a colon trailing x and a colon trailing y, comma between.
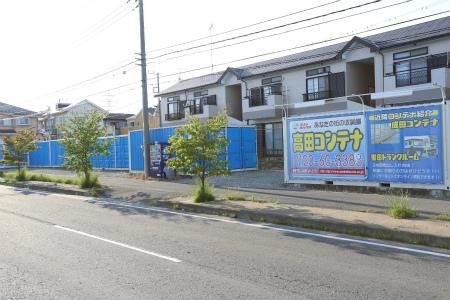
x: 258, y: 95
x: 411, y: 71
x: 195, y: 106
x: 318, y: 71
x: 271, y: 80
x: 175, y: 108
x: 410, y: 53
x: 5, y: 122
x: 200, y: 93
x: 317, y: 88
x: 273, y: 139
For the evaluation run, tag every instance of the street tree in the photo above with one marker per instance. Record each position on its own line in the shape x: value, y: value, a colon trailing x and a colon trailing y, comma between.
x: 15, y: 149
x: 81, y: 142
x: 199, y: 150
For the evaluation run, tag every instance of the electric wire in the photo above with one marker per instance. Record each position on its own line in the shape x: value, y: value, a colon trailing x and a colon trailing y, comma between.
x: 265, y: 30
x: 246, y: 26
x: 284, y: 32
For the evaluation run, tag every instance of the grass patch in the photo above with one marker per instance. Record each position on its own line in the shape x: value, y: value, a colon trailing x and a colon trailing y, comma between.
x: 443, y: 217
x: 24, y: 175
x: 400, y: 208
x: 203, y: 193
x: 234, y: 196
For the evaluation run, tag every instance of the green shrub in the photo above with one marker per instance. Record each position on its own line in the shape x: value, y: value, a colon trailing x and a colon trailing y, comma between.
x: 443, y: 217
x: 203, y: 193
x: 400, y: 208
x: 21, y: 174
x: 90, y: 181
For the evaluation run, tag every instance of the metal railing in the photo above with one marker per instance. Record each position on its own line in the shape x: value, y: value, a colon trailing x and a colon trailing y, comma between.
x: 174, y: 116
x: 412, y: 77
x: 316, y: 95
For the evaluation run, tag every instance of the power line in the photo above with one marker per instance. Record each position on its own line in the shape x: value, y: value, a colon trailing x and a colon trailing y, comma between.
x: 267, y: 29
x: 315, y: 43
x: 287, y: 31
x: 106, y: 22
x: 247, y: 26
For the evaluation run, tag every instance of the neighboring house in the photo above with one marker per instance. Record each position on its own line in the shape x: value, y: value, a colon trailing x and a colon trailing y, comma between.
x: 49, y: 124
x: 14, y: 119
x: 135, y: 122
x: 116, y: 123
x: 414, y: 58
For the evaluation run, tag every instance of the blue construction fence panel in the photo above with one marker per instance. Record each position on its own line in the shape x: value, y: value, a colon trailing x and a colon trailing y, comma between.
x: 47, y: 154
x: 40, y: 157
x: 241, y: 148
x: 136, y: 151
x: 241, y: 151
x: 118, y: 154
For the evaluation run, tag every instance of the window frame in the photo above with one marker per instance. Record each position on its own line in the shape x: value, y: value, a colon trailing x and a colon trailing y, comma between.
x: 276, y: 127
x: 409, y: 53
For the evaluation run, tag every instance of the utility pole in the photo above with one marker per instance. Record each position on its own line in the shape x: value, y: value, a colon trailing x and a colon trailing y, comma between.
x: 146, y: 139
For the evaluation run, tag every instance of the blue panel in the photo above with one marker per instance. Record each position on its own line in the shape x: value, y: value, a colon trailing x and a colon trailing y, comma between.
x: 234, y: 148
x: 57, y: 154
x: 249, y: 147
x: 161, y: 135
x: 122, y: 152
x: 136, y: 154
x: 40, y: 156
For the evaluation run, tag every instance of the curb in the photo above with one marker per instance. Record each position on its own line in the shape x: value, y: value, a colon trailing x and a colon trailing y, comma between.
x: 366, y: 231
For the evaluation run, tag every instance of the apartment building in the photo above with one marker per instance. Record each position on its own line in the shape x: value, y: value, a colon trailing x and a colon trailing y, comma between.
x: 405, y: 66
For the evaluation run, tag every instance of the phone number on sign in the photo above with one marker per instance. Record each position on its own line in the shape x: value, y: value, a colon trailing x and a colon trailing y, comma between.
x: 340, y: 160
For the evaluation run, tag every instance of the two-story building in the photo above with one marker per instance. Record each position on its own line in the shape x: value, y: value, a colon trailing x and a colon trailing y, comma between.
x: 14, y: 119
x: 404, y: 66
x: 49, y: 124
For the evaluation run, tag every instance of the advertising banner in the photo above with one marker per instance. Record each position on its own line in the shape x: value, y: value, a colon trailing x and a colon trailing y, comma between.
x: 326, y: 148
x: 405, y: 145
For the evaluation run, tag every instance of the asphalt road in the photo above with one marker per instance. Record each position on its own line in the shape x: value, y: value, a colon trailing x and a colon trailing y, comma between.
x: 60, y: 247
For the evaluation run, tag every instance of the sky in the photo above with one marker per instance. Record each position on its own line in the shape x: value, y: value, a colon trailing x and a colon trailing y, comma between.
x: 71, y: 50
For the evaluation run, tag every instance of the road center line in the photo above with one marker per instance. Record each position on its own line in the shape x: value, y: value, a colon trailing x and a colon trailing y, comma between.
x: 301, y: 232
x: 118, y: 244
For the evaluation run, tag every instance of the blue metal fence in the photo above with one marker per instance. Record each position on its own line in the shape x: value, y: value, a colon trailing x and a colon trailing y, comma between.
x: 126, y: 152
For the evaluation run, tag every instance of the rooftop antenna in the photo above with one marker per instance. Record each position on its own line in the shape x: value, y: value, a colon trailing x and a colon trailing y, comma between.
x: 211, y: 43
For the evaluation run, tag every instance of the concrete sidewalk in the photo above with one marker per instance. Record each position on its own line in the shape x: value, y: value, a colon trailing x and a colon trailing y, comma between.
x: 360, y: 214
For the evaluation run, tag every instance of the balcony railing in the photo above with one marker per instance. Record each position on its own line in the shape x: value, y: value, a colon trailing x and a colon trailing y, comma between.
x: 316, y: 95
x: 422, y: 75
x: 174, y: 116
x: 258, y: 96
x: 195, y: 109
x: 413, y: 76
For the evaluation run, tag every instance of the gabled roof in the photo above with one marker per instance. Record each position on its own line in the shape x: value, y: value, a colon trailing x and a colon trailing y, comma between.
x: 199, y: 81
x: 14, y: 110
x: 394, y: 38
x: 71, y: 106
x: 117, y: 116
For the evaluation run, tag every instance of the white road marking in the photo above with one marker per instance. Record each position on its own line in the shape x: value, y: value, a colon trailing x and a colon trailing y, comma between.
x: 301, y: 232
x: 119, y: 244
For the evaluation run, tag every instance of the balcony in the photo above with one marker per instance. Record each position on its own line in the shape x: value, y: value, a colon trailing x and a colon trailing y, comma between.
x: 205, y: 106
x: 195, y: 109
x: 316, y: 96
x: 413, y: 77
x: 174, y: 116
x: 264, y: 102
